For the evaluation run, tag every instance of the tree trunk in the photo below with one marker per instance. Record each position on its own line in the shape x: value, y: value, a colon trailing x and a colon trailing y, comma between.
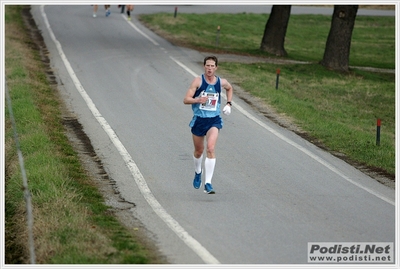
x: 337, y: 48
x: 275, y: 30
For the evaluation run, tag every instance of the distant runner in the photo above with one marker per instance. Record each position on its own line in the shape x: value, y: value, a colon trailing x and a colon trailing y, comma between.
x: 129, y: 9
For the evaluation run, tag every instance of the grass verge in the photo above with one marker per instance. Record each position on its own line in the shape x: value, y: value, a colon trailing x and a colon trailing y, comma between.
x: 72, y: 224
x: 338, y: 111
x: 373, y: 39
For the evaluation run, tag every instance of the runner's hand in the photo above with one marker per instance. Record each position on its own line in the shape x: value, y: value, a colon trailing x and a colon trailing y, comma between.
x: 202, y: 99
x: 227, y: 110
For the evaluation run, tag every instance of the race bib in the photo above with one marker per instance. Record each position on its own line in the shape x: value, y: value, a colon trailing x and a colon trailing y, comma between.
x: 211, y: 103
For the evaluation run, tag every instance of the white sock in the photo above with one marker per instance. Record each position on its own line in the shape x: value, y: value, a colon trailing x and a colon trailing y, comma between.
x: 209, y: 165
x: 197, y: 164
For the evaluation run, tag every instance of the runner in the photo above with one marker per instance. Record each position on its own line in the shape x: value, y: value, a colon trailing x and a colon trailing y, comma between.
x: 129, y: 8
x: 108, y: 11
x: 96, y: 7
x: 204, y: 94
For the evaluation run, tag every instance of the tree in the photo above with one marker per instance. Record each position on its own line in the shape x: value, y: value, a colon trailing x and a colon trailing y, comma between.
x: 337, y: 48
x: 275, y: 30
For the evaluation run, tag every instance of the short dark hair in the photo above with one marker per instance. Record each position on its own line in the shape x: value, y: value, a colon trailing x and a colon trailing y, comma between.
x: 212, y: 57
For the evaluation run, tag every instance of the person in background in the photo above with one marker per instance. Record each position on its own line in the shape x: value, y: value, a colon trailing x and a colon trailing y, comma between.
x: 204, y: 94
x: 108, y: 11
x: 129, y: 9
x: 96, y: 7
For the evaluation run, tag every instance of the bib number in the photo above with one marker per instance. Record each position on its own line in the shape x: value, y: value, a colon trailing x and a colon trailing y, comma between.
x: 211, y: 103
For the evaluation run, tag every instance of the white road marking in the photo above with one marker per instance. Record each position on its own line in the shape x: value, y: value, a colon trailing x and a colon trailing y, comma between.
x: 203, y: 253
x: 313, y: 156
x: 140, y: 31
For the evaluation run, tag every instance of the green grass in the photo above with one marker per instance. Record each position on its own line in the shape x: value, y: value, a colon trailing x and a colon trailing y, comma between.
x: 372, y: 44
x: 339, y: 110
x: 72, y: 225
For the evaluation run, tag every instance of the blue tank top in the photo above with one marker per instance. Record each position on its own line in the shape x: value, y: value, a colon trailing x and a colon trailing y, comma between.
x: 211, y: 108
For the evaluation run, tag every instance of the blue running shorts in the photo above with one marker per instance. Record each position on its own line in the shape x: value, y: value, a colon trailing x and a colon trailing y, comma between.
x: 200, y: 126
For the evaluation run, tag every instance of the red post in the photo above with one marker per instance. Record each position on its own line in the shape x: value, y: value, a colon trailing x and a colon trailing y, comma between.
x: 278, y: 71
x: 378, y: 132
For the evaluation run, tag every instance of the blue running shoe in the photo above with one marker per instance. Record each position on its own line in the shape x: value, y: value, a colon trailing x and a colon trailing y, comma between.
x: 208, y: 189
x: 197, y: 180
x: 108, y: 12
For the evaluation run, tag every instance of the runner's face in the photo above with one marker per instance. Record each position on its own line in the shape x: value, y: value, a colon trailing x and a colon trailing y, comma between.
x: 210, y: 67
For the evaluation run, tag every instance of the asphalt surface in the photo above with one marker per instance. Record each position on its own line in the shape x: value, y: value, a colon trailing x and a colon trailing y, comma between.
x: 275, y: 192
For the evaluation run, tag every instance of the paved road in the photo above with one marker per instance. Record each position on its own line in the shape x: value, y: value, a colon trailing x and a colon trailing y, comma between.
x: 275, y: 191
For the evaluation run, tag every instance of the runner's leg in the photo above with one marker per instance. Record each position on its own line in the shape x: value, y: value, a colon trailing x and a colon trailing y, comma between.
x: 212, y: 136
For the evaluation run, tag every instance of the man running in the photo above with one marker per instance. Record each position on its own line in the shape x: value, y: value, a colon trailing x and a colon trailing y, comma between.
x: 129, y: 9
x: 96, y: 7
x: 204, y: 94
